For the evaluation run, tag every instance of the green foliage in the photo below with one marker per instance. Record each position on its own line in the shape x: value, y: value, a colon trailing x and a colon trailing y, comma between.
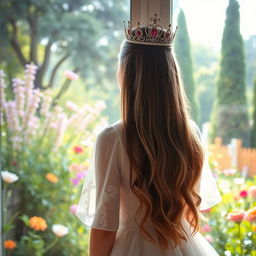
x: 205, y: 74
x: 253, y: 131
x: 183, y: 53
x: 231, y: 96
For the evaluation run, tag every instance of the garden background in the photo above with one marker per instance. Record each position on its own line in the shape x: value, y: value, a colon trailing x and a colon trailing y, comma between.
x: 58, y: 63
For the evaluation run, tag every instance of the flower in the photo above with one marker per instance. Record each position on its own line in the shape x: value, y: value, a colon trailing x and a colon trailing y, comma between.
x: 59, y: 230
x: 73, y: 208
x: 243, y: 193
x: 209, y: 238
x: 75, y: 167
x: 75, y: 181
x: 239, y: 181
x: 79, y: 176
x: 252, y: 191
x: 78, y: 150
x: 51, y: 177
x: 71, y: 75
x: 37, y: 223
x: 9, y: 177
x: 250, y: 215
x: 205, y: 210
x: 236, y: 215
x: 71, y: 106
x: 9, y: 244
x: 14, y: 163
x: 206, y: 228
x: 229, y: 172
x: 254, y: 228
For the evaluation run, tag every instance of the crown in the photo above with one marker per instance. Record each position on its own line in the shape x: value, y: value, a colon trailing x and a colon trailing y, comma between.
x: 154, y: 34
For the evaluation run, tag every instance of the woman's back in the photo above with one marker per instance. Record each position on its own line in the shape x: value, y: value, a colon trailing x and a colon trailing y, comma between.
x: 116, y: 205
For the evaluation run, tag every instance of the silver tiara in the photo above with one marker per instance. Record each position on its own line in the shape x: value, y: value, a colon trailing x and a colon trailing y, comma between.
x: 154, y: 34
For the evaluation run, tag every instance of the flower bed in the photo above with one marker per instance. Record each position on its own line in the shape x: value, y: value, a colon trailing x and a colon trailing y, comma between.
x: 231, y: 225
x: 45, y: 151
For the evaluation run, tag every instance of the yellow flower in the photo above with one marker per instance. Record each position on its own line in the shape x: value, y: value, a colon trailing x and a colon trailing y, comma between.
x: 37, y: 223
x: 9, y: 244
x: 52, y: 177
x: 254, y: 228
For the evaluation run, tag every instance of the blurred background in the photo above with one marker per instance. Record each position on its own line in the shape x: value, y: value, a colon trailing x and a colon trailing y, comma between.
x: 58, y: 88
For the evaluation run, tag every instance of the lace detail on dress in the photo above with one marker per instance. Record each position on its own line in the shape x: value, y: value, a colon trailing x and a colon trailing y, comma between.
x: 110, y: 193
x: 89, y: 196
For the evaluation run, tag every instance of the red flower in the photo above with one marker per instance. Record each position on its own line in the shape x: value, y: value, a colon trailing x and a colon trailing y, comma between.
x: 243, y: 193
x: 13, y: 163
x: 78, y: 150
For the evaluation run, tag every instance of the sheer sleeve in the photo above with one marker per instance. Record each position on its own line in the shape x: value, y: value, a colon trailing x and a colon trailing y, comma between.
x: 206, y: 186
x: 98, y: 206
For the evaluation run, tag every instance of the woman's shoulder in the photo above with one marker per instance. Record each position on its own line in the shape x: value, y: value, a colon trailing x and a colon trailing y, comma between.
x: 110, y: 132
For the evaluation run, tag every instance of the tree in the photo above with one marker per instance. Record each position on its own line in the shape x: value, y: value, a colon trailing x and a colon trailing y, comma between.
x: 205, y: 74
x: 73, y: 29
x: 253, y: 131
x: 183, y: 53
x: 230, y: 118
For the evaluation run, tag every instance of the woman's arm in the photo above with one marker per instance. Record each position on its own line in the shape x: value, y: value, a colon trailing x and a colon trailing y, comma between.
x: 101, y: 242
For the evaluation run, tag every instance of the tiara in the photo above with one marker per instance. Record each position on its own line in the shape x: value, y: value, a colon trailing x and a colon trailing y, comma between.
x: 154, y: 34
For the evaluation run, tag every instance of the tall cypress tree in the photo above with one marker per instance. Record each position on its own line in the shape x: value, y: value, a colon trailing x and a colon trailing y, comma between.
x: 253, y: 131
x: 230, y: 119
x: 183, y: 54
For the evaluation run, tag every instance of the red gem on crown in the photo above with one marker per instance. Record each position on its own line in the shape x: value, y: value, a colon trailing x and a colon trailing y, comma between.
x: 154, y: 32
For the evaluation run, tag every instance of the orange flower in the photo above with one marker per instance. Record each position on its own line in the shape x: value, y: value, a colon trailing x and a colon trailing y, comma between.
x: 37, y: 223
x: 250, y: 215
x: 51, y: 177
x: 9, y: 244
x: 254, y: 228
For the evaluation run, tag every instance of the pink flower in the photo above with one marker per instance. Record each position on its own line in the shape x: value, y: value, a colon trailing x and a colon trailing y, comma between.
x: 252, y: 191
x: 78, y: 177
x: 243, y: 193
x: 229, y: 172
x: 206, y: 228
x: 206, y: 210
x: 78, y: 150
x: 71, y: 106
x: 209, y: 238
x: 73, y: 208
x: 236, y: 215
x: 71, y: 75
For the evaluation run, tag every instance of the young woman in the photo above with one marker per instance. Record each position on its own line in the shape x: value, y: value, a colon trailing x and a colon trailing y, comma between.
x: 149, y: 176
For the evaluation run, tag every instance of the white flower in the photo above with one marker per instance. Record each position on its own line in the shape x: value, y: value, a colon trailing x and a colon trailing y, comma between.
x: 59, y: 230
x: 239, y: 181
x: 9, y: 177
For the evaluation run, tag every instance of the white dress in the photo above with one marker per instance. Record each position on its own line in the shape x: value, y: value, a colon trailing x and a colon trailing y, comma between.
x: 107, y: 202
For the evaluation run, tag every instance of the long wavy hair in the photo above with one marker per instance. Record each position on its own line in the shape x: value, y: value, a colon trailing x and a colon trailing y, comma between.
x: 164, y: 150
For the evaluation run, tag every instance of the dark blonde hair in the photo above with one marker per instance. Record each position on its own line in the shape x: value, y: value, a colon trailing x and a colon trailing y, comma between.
x: 164, y: 150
